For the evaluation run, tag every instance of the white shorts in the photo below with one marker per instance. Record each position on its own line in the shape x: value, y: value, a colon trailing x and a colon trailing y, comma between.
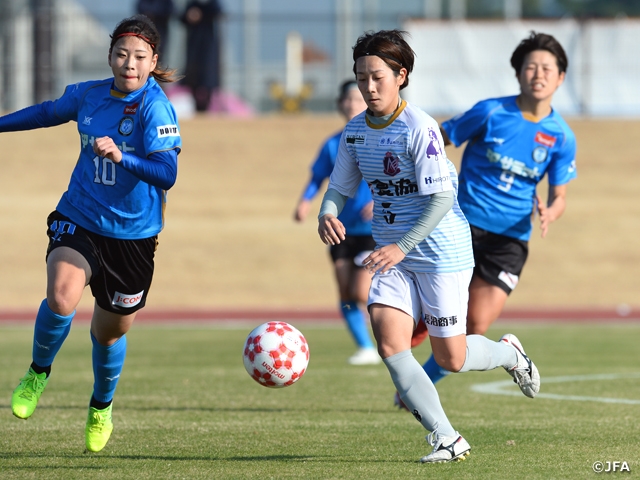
x: 438, y: 299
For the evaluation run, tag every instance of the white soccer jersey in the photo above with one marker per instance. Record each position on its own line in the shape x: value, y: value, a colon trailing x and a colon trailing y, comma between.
x: 403, y: 162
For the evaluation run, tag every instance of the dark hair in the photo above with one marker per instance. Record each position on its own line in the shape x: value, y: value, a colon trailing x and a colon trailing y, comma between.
x: 390, y: 46
x: 539, y: 41
x: 142, y: 27
x: 345, y: 87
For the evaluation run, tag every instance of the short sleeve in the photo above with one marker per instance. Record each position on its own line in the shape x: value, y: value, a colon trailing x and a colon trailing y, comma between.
x: 432, y: 169
x: 467, y: 125
x: 346, y: 175
x: 562, y: 168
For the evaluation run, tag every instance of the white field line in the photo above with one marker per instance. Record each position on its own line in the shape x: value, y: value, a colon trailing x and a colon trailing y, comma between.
x: 507, y: 387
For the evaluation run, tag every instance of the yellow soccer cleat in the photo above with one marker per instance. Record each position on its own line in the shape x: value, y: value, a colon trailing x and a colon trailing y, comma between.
x: 27, y: 393
x: 98, y: 429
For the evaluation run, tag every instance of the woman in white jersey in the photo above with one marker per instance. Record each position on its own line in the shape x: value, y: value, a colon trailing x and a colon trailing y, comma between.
x: 423, y: 260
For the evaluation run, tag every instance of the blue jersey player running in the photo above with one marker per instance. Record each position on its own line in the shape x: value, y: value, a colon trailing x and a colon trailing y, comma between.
x: 512, y: 143
x: 103, y: 232
x: 423, y: 260
x: 353, y: 280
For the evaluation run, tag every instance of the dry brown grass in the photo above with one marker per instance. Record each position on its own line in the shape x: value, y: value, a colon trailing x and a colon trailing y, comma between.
x: 230, y: 241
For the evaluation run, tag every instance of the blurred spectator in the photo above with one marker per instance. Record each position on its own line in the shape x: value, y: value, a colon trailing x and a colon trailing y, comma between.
x: 202, y: 71
x: 159, y: 12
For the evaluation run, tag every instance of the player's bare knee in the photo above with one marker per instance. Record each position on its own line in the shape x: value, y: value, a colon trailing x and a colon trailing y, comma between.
x: 451, y: 364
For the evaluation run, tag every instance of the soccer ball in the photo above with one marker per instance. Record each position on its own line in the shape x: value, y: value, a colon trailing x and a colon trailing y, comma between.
x: 276, y: 354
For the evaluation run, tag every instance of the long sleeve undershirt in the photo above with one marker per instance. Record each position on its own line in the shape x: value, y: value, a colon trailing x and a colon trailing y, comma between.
x: 435, y: 210
x: 158, y: 169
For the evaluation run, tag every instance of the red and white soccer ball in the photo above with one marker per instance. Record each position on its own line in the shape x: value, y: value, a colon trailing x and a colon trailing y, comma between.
x: 276, y: 354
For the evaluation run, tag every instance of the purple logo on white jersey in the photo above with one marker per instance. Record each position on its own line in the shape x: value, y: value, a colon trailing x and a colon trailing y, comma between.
x: 434, y: 145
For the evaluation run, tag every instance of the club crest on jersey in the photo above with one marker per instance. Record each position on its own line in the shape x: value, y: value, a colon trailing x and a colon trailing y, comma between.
x: 126, y: 126
x: 131, y: 109
x: 391, y: 164
x: 545, y: 139
x: 168, y: 131
x: 434, y: 145
x: 356, y: 139
x: 539, y: 154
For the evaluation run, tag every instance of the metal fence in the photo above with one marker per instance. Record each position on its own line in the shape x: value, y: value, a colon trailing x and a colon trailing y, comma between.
x: 48, y: 44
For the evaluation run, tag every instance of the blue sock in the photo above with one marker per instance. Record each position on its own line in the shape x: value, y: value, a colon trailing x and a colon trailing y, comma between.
x: 49, y: 334
x: 356, y: 324
x: 435, y: 371
x: 107, y: 366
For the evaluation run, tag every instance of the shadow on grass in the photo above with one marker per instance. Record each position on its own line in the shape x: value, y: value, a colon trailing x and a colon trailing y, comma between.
x: 288, y: 409
x: 172, y: 458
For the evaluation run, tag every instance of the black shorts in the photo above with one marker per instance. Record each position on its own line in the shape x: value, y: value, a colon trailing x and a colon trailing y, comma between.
x: 499, y: 259
x: 352, y: 246
x: 121, y: 270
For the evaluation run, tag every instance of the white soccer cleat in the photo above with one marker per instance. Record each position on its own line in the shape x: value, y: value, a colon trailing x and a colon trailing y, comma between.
x: 446, y: 449
x: 365, y: 356
x: 524, y: 373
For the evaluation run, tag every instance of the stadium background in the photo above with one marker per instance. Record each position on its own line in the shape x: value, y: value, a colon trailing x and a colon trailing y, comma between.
x: 230, y: 242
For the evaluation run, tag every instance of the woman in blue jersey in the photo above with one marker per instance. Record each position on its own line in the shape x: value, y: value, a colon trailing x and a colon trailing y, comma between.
x: 353, y: 280
x: 103, y: 232
x: 512, y: 143
x: 423, y: 260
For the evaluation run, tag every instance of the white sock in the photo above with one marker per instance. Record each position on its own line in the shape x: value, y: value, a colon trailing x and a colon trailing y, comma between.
x: 484, y: 354
x: 418, y: 393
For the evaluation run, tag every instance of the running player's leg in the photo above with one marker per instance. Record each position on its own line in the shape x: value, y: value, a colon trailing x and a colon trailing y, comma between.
x: 120, y: 289
x: 394, y: 304
x: 68, y: 272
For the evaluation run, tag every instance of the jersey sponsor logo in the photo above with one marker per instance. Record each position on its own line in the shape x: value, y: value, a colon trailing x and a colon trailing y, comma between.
x: 393, y: 188
x: 127, y: 301
x: 126, y: 126
x: 389, y: 216
x: 356, y: 139
x: 387, y: 141
x: 512, y: 165
x: 497, y: 140
x: 87, y: 120
x: 131, y: 109
x: 391, y: 164
x: 539, y: 154
x: 440, y: 321
x: 434, y: 145
x: 545, y: 139
x: 168, y: 131
x: 434, y: 180
x: 509, y: 279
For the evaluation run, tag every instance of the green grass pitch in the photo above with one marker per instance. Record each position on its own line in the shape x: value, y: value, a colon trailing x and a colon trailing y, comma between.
x: 186, y: 408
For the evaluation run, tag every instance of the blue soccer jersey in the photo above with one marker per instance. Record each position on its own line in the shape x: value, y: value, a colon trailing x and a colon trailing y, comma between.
x: 505, y: 158
x: 351, y: 215
x: 404, y: 163
x: 102, y: 196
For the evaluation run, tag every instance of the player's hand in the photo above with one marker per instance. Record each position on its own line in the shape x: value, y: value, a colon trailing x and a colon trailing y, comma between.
x: 106, y: 147
x: 331, y: 230
x: 367, y: 212
x: 545, y: 217
x: 383, y: 259
x: 302, y: 210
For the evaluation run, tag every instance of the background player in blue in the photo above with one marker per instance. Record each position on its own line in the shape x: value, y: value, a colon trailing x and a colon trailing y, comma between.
x: 353, y: 280
x: 512, y: 143
x: 423, y: 259
x: 104, y: 230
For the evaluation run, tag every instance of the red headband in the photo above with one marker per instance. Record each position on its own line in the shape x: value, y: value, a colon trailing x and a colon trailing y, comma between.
x: 131, y: 34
